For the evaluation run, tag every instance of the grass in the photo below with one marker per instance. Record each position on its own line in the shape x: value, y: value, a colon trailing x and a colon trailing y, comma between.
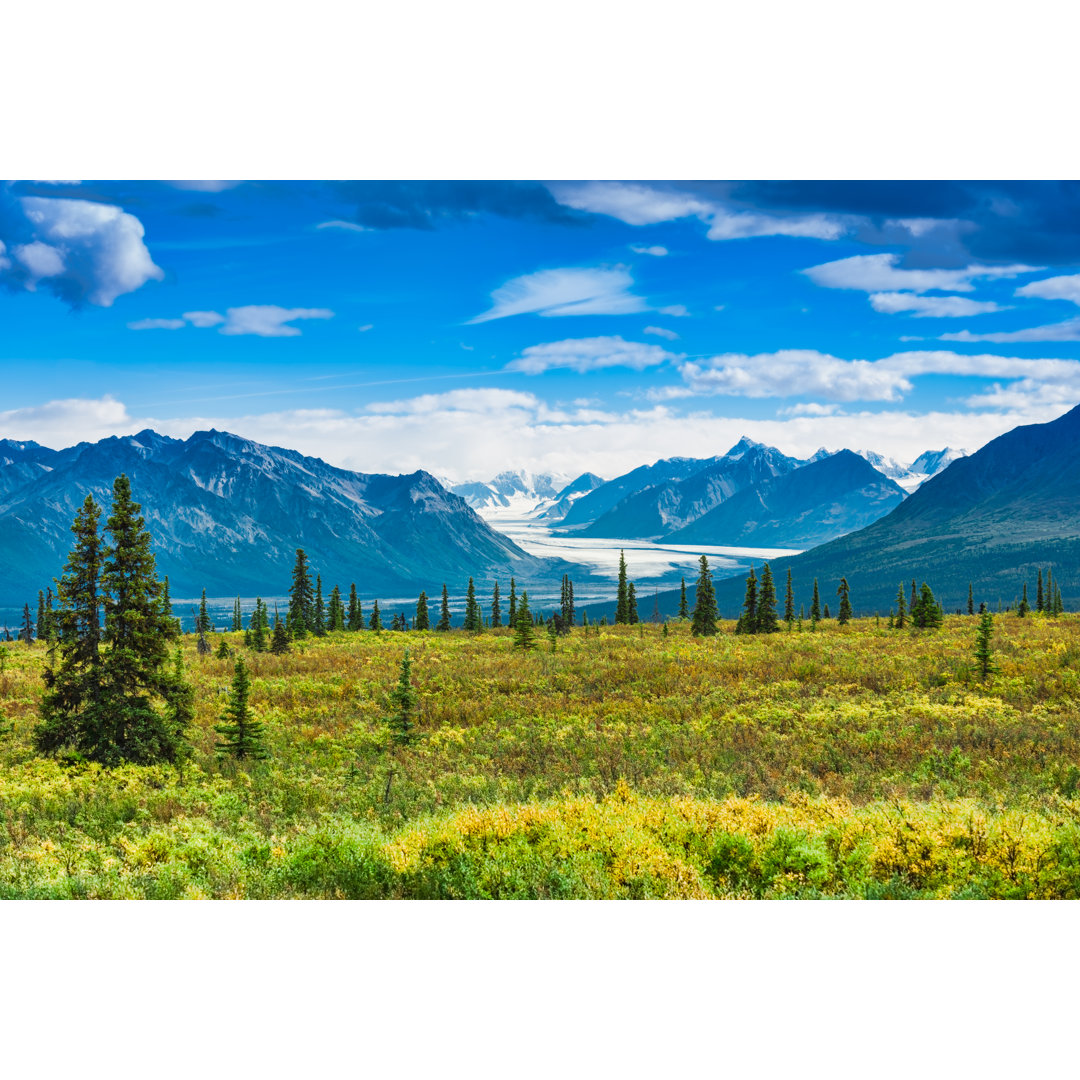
x: 855, y: 762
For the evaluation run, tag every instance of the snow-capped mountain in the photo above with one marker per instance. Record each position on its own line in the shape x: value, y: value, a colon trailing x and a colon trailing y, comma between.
x: 912, y: 477
x: 514, y: 492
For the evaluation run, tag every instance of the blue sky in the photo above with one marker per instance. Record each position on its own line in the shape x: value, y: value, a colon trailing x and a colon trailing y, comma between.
x: 467, y: 327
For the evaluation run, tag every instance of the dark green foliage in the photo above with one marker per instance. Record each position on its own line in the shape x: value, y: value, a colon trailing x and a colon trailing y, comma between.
x: 971, y: 599
x: 422, y: 620
x: 258, y: 625
x: 473, y: 621
x: 684, y: 610
x: 402, y: 722
x: 901, y: 609
x: 223, y: 650
x: 631, y: 604
x: 552, y: 633
x: 356, y: 614
x: 444, y: 613
x: 566, y: 601
x: 815, y: 604
x: 524, y: 637
x: 496, y: 610
x: 511, y: 615
x: 825, y: 613
x: 789, y: 601
x: 40, y: 630
x: 26, y: 632
x: 747, y: 623
x: 767, y: 622
x: 202, y: 644
x: 241, y: 734
x: 843, y: 616
x: 301, y: 616
x: 1024, y: 607
x: 1039, y: 599
x: 335, y: 611
x: 237, y: 616
x: 173, y: 623
x: 318, y: 615
x: 622, y: 606
x: 279, y: 640
x: 926, y: 613
x: 376, y: 618
x: 983, y: 655
x: 1059, y: 607
x: 914, y: 595
x: 703, y: 623
x: 204, y: 624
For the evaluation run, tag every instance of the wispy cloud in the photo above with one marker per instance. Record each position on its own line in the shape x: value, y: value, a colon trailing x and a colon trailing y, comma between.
x: 157, y: 324
x: 349, y: 226
x: 654, y: 249
x: 879, y: 273
x: 660, y: 331
x: 568, y: 291
x: 589, y: 354
x: 262, y: 320
x: 1063, y: 287
x: 937, y: 307
x: 678, y: 311
x: 1069, y: 330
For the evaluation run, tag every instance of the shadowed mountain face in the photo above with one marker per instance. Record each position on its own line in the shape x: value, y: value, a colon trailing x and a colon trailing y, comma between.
x: 565, y: 499
x: 809, y: 506
x: 228, y: 514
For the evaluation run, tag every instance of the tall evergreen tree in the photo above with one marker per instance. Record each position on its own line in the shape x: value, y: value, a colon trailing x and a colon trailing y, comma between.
x: 815, y: 605
x: 1024, y: 607
x: 901, y: 611
x: 335, y: 611
x: 622, y: 606
x: 300, y: 619
x: 258, y: 626
x: 402, y: 723
x: 496, y: 609
x: 1039, y: 599
x: 279, y: 640
x: 50, y: 627
x: 767, y: 622
x: 747, y: 623
x: 983, y: 653
x: 422, y: 620
x: 971, y: 599
x: 567, y: 601
x: 524, y: 637
x: 511, y: 614
x: 444, y: 611
x: 914, y: 596
x: 318, y: 614
x: 1059, y: 607
x: 167, y: 610
x: 237, y: 616
x: 356, y: 614
x: 202, y: 644
x: 789, y: 600
x: 242, y: 736
x: 473, y: 622
x: 843, y: 616
x: 26, y: 633
x: 927, y: 613
x: 205, y: 624
x: 41, y: 631
x: 703, y: 623
x: 684, y: 610
x: 631, y: 604
x: 376, y: 618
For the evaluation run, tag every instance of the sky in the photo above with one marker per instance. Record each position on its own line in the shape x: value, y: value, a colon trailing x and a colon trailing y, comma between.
x: 467, y: 327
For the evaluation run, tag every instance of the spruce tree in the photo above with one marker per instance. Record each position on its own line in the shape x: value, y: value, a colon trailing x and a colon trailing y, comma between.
x: 402, y: 722
x: 202, y: 645
x: 26, y: 631
x: 444, y: 612
x: 237, y: 616
x: 258, y: 626
x: 914, y: 596
x: 825, y: 613
x: 205, y: 625
x: 356, y: 615
x: 318, y: 614
x: 703, y: 623
x: 50, y: 627
x: 279, y: 640
x: 815, y: 605
x: 242, y: 736
x: 511, y: 614
x: 971, y: 599
x: 747, y: 623
x: 472, y: 609
x: 567, y: 601
x: 1024, y: 607
x: 40, y: 631
x: 301, y: 616
x: 927, y: 613
x: 789, y: 601
x: 496, y: 610
x: 843, y: 616
x: 376, y: 618
x: 524, y: 637
x: 1039, y: 592
x: 1059, y: 607
x: 631, y: 604
x: 684, y: 610
x: 983, y: 654
x: 167, y: 610
x: 901, y: 610
x: 622, y: 606
x: 767, y: 622
x: 422, y: 620
x: 336, y: 611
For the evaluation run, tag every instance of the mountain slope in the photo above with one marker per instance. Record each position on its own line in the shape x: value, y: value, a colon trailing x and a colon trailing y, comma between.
x: 227, y: 514
x: 808, y: 506
x: 567, y: 496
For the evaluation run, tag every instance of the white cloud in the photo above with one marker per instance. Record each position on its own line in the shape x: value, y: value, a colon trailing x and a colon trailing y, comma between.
x: 203, y: 319
x: 655, y: 249
x: 269, y: 320
x: 879, y: 273
x: 1069, y: 330
x: 811, y: 408
x: 568, y: 291
x: 209, y: 186
x: 938, y: 307
x: 67, y: 421
x: 83, y: 251
x: 1063, y: 287
x: 157, y: 324
x: 639, y: 204
x: 589, y: 354
x: 678, y: 311
x: 636, y: 204
x: 365, y: 328
x: 661, y: 331
x: 350, y: 226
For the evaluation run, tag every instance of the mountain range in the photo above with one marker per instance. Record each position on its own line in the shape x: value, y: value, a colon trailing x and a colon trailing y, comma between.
x: 227, y: 514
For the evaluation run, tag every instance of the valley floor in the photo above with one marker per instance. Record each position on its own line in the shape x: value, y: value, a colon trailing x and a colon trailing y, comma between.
x: 850, y: 762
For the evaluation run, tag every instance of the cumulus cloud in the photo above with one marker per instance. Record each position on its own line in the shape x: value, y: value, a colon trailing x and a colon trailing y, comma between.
x: 660, y: 331
x: 568, y: 291
x: 83, y: 252
x: 641, y: 204
x: 655, y: 249
x: 879, y: 273
x: 938, y: 307
x: 678, y: 311
x: 264, y: 320
x: 1069, y: 330
x: 67, y: 421
x: 589, y: 354
x: 1063, y: 287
